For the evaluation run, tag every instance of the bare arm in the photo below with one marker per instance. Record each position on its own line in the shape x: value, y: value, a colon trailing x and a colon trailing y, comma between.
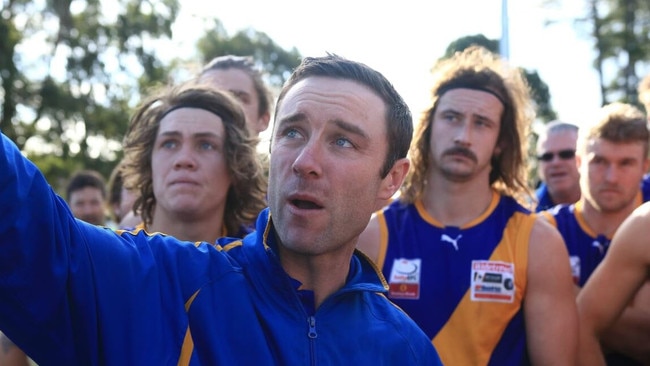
x: 619, y: 275
x: 10, y: 354
x: 549, y: 306
x: 630, y: 334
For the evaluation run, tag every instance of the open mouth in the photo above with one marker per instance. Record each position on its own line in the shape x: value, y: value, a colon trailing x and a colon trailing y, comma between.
x: 306, y: 205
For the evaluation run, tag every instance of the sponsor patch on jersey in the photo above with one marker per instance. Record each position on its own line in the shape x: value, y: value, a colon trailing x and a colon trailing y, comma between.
x: 493, y: 281
x: 575, y: 268
x: 404, y: 281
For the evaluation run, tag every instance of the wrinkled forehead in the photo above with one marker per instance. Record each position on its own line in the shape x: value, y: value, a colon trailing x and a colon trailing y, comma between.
x: 320, y: 98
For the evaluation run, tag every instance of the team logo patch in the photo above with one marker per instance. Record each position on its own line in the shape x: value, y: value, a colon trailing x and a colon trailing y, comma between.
x: 493, y: 281
x: 404, y: 281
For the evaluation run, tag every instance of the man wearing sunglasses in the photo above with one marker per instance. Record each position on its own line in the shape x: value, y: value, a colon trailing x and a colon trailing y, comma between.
x: 557, y: 170
x: 612, y: 158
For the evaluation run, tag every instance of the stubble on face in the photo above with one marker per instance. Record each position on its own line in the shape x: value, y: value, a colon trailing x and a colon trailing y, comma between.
x: 612, y: 195
x: 325, y: 149
x: 464, y: 134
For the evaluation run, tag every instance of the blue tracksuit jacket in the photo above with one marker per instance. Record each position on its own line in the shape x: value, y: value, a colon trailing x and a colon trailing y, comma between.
x: 75, y: 294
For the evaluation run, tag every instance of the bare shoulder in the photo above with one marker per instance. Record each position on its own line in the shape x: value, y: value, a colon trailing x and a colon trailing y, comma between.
x: 550, y: 307
x: 546, y: 247
x: 544, y: 234
x: 632, y: 239
x: 638, y: 222
x: 369, y: 240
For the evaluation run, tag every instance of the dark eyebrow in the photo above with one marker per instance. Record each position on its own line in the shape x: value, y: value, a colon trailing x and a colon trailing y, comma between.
x: 350, y: 128
x: 448, y: 111
x: 346, y: 126
x: 296, y: 117
x: 458, y: 113
x: 170, y: 133
x: 239, y: 92
x: 205, y: 135
x: 194, y: 135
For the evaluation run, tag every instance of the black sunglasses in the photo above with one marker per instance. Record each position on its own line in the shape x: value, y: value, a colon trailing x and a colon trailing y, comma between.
x: 563, y: 154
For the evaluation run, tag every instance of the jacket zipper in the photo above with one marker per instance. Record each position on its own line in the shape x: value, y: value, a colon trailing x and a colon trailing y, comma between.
x: 311, y: 321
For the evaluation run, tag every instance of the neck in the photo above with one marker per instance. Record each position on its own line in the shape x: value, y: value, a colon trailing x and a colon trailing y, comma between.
x: 454, y: 203
x: 324, y: 274
x: 188, y: 228
x: 603, y: 222
x: 568, y: 197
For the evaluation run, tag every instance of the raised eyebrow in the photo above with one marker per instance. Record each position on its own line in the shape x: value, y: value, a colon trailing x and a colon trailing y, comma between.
x: 292, y: 118
x: 346, y: 126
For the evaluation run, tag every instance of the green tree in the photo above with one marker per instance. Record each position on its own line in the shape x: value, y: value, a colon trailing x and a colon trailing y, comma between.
x: 74, y: 100
x: 277, y: 62
x: 620, y: 31
x: 539, y: 89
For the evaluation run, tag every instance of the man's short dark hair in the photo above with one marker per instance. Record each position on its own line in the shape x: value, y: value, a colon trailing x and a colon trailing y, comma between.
x: 83, y: 179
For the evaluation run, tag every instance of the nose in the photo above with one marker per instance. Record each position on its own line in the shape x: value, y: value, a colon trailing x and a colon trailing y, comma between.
x: 307, y: 163
x: 611, y: 174
x: 463, y: 135
x: 184, y: 158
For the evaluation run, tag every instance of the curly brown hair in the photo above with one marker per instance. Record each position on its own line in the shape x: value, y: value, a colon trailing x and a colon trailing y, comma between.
x: 478, y: 68
x: 247, y: 194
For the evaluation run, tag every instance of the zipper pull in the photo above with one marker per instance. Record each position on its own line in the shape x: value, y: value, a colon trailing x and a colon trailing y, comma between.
x: 312, y: 327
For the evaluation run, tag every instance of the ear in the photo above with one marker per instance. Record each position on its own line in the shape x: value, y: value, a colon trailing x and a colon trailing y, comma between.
x: 393, y: 180
x: 497, y: 151
x: 263, y: 123
x: 646, y: 164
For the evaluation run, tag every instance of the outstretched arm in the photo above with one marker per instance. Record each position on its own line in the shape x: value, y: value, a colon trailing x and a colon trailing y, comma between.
x: 619, y: 275
x: 549, y: 303
x: 55, y: 270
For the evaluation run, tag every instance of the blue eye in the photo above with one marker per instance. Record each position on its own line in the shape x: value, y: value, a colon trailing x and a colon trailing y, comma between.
x: 450, y: 117
x: 343, y: 142
x: 168, y: 144
x: 206, y: 146
x: 292, y: 133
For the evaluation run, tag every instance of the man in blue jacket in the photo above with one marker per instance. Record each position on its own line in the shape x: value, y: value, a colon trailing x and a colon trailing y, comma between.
x: 294, y: 292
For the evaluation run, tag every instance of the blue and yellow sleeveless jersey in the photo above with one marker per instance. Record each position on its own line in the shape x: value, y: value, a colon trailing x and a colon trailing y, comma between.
x: 464, y: 286
x: 586, y: 246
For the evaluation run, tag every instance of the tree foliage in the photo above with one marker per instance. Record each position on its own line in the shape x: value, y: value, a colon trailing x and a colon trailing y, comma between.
x: 71, y: 74
x: 539, y: 89
x: 620, y: 31
x: 277, y: 62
